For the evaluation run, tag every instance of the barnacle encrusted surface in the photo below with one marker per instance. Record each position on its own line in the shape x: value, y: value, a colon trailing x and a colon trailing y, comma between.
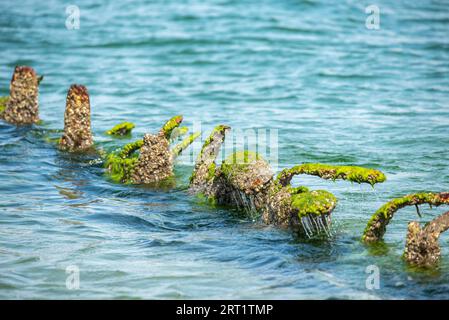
x: 22, y: 107
x: 155, y: 160
x: 203, y: 174
x: 241, y: 181
x: 422, y: 248
x: 150, y: 160
x: 246, y: 171
x: 305, y: 212
x: 77, y: 134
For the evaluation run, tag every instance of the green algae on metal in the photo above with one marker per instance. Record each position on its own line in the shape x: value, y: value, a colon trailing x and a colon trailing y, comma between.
x: 316, y: 202
x: 211, y: 170
x: 52, y: 140
x: 218, y: 129
x: 180, y: 147
x: 207, y: 156
x: 121, y: 164
x: 206, y: 199
x: 120, y: 169
x: 130, y: 148
x: 178, y: 132
x: 247, y: 173
x: 170, y: 125
x: 121, y: 129
x: 376, y: 226
x: 3, y: 101
x: 239, y: 162
x: 152, y: 165
x: 325, y: 171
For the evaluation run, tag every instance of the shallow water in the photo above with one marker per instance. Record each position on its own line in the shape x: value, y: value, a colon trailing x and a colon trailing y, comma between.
x: 336, y: 91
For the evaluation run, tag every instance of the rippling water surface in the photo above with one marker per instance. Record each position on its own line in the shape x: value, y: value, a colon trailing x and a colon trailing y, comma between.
x: 336, y: 91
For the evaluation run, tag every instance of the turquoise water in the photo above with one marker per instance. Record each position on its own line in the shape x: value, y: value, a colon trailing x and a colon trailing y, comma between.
x: 336, y: 91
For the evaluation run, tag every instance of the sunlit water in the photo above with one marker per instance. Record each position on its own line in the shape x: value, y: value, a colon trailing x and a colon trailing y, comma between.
x: 336, y: 91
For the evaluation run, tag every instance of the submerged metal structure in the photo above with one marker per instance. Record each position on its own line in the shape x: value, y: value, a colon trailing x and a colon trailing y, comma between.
x: 245, y: 181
